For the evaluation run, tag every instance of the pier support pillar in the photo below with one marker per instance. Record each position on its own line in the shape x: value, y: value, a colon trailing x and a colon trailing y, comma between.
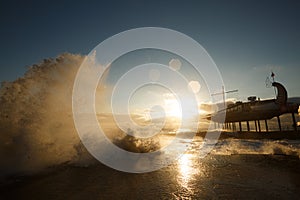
x: 294, y: 122
x: 279, y: 124
x: 255, y: 125
x: 240, y: 125
x: 248, y: 126
x: 266, y: 123
x: 258, y: 123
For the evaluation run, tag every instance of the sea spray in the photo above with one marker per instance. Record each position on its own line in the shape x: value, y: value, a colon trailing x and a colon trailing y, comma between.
x: 249, y: 146
x: 36, y: 122
x: 37, y: 129
x: 135, y: 144
x: 36, y: 125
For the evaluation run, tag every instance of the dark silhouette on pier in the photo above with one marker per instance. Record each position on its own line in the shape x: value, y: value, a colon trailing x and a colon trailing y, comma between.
x: 257, y: 110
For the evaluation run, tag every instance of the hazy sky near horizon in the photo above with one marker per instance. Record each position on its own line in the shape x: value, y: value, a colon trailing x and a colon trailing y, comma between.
x: 246, y: 39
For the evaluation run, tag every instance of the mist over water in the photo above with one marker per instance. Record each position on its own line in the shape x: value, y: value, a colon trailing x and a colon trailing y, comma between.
x: 37, y: 129
x: 36, y: 125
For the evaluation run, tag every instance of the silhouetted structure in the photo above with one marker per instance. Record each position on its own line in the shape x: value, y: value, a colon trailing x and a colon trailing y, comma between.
x: 257, y: 111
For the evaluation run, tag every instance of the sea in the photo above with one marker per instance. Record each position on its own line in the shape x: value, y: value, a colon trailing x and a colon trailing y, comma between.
x: 42, y: 156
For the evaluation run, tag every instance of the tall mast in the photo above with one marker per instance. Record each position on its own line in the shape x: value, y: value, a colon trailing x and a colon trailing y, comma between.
x: 223, y: 94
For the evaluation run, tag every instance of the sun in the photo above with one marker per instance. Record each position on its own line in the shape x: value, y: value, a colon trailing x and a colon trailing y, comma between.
x: 173, y: 107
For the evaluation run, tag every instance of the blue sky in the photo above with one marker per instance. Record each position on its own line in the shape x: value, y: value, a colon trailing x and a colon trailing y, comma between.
x: 246, y: 39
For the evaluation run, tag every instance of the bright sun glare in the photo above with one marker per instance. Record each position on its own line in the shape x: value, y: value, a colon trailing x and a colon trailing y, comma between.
x: 173, y: 108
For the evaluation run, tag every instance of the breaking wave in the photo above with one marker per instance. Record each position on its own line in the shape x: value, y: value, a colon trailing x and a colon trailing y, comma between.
x: 137, y: 145
x: 36, y: 122
x: 268, y: 147
x: 36, y: 125
x: 37, y: 129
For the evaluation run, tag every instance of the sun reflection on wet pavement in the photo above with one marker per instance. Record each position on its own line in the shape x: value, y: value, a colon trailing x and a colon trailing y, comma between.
x: 186, y: 170
x: 190, y: 173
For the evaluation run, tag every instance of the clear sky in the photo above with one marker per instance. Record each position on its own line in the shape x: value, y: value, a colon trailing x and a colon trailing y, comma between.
x: 246, y: 39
